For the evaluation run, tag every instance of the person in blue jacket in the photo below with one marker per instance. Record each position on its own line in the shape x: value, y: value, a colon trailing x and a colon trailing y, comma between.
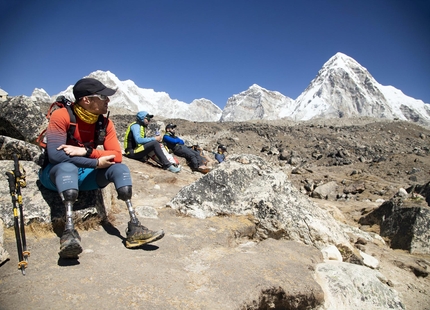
x: 220, y: 155
x: 178, y: 147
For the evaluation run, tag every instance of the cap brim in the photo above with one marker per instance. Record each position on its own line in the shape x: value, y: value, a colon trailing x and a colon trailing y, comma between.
x: 149, y: 116
x: 107, y: 91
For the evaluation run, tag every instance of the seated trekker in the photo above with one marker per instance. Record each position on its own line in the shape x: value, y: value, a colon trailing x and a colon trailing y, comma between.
x: 138, y: 146
x: 178, y: 147
x: 221, y: 153
x: 76, y: 164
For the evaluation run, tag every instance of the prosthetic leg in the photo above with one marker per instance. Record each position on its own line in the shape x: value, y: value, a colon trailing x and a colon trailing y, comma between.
x: 70, y: 241
x: 137, y: 234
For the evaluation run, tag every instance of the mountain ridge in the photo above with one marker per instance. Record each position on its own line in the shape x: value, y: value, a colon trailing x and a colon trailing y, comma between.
x: 341, y: 88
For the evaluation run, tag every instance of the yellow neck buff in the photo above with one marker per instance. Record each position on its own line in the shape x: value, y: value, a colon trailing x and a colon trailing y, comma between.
x: 84, y: 115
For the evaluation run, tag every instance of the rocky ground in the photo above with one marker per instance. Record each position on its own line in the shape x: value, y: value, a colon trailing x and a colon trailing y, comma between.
x: 368, y: 160
x: 379, y: 157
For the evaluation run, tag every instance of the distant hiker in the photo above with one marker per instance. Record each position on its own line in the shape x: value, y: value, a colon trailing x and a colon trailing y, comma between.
x: 178, y: 147
x: 76, y: 164
x: 221, y: 153
x: 138, y: 146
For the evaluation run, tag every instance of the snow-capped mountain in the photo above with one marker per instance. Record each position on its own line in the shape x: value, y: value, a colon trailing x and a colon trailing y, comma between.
x: 256, y: 103
x: 129, y: 96
x: 40, y: 95
x: 344, y: 88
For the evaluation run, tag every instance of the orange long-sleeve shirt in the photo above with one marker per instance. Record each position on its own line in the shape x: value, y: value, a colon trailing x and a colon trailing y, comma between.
x: 56, y: 135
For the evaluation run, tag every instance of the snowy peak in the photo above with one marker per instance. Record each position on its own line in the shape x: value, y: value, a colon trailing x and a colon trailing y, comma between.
x: 132, y: 98
x: 255, y: 103
x: 341, y: 60
x: 341, y: 88
x: 344, y: 88
x: 40, y: 95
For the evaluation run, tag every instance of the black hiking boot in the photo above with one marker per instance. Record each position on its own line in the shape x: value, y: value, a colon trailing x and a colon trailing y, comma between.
x: 70, y: 244
x: 138, y: 234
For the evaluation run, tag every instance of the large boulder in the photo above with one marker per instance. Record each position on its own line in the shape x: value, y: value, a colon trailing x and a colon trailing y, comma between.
x: 22, y: 119
x: 42, y: 205
x: 24, y: 150
x: 349, y: 286
x: 248, y: 185
x: 405, y: 220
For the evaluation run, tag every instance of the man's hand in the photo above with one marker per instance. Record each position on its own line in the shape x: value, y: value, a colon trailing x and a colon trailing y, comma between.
x: 72, y: 150
x: 105, y: 161
x: 158, y: 138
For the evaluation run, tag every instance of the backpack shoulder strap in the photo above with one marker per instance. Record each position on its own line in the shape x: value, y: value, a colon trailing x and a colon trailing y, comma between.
x: 100, y: 130
x: 72, y: 127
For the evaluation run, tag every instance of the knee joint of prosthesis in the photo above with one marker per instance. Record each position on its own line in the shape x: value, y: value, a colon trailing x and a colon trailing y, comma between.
x: 124, y: 193
x: 69, y: 195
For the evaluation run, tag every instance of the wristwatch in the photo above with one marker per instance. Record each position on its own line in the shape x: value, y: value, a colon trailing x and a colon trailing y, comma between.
x: 89, y: 151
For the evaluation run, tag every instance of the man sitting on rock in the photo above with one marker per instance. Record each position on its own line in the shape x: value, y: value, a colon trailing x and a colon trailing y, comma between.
x: 138, y: 146
x: 178, y: 147
x: 76, y: 164
x: 220, y: 155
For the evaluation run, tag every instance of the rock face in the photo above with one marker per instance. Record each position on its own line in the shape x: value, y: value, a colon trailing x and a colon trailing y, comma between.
x: 405, y: 223
x: 27, y: 151
x: 21, y: 119
x: 366, y: 288
x: 247, y: 185
x: 43, y: 205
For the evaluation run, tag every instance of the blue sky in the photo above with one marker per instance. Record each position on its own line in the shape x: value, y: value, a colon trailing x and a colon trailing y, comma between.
x: 211, y: 49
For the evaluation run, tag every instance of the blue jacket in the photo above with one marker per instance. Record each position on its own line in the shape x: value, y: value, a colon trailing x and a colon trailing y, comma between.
x: 171, y: 140
x: 219, y: 157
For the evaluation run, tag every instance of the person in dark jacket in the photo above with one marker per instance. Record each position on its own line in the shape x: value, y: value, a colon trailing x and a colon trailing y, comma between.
x: 178, y: 147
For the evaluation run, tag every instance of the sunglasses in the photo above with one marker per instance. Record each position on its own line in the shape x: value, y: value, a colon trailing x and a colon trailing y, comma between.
x: 101, y: 97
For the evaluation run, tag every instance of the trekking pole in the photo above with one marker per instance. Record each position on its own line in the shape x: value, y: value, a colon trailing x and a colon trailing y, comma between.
x: 16, y: 180
x: 21, y: 182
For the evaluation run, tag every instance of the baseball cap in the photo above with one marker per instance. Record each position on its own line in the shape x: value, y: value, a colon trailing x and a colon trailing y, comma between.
x: 170, y: 126
x: 222, y: 147
x: 141, y: 115
x: 89, y: 86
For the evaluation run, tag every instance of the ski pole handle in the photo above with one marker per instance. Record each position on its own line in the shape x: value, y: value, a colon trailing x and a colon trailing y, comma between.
x: 12, y: 183
x: 17, y: 171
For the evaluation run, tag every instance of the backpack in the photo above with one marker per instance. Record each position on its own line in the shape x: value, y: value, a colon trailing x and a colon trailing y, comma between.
x: 63, y: 103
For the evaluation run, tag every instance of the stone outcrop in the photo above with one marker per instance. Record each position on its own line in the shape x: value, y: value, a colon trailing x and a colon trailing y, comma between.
x: 25, y: 151
x: 42, y: 205
x: 247, y: 185
x: 21, y: 119
x: 404, y: 222
x: 367, y: 288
